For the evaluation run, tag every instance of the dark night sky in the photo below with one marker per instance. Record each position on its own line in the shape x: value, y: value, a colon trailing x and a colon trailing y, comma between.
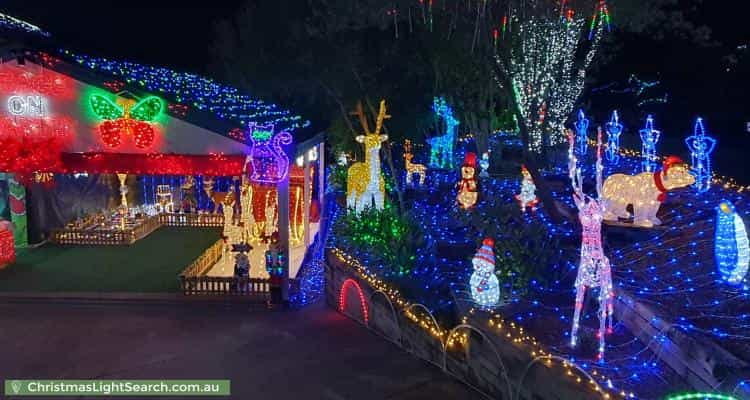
x: 169, y: 33
x: 178, y: 35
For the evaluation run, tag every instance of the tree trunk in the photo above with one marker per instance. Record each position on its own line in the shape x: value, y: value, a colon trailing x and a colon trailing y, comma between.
x: 531, y: 161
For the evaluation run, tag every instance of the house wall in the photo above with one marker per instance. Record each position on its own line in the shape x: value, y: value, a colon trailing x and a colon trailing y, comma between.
x: 63, y: 96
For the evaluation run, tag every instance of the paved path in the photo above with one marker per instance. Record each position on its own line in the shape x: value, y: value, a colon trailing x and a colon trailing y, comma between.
x: 310, y: 354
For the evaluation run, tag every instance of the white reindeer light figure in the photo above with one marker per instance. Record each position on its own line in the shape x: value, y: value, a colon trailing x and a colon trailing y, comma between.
x: 594, y: 269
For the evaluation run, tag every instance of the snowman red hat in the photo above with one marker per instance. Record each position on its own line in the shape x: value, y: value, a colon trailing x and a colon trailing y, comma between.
x: 486, y: 253
x: 470, y: 160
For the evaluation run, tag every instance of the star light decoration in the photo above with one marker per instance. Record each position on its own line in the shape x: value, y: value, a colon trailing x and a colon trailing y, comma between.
x: 582, y: 127
x: 594, y: 270
x: 700, y: 147
x: 649, y: 138
x: 195, y: 91
x: 732, y: 249
x: 546, y: 75
x: 614, y: 129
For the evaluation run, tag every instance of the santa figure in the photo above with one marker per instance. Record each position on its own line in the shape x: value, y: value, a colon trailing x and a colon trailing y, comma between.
x: 467, y: 186
x: 527, y: 197
x: 485, y: 288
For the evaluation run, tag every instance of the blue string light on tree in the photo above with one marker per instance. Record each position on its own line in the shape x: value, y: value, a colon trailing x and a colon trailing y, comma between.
x: 701, y: 147
x: 731, y: 246
x: 649, y: 138
x: 614, y: 129
x: 582, y: 127
x: 441, y: 151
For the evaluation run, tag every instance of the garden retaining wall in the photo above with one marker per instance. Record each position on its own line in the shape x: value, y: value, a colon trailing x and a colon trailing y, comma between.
x: 484, y: 358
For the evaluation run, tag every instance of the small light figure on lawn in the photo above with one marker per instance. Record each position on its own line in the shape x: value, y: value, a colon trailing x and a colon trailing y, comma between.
x: 241, y: 260
x: 467, y: 186
x: 614, y: 129
x: 582, y: 127
x: 342, y: 160
x: 441, y: 147
x: 701, y: 147
x: 527, y: 197
x: 484, y: 164
x: 412, y: 168
x: 732, y: 249
x: 485, y: 288
x: 594, y: 270
x: 649, y: 138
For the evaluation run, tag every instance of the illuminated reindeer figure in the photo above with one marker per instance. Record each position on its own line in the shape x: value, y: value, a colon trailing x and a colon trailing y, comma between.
x: 412, y: 168
x: 594, y: 269
x: 365, y: 183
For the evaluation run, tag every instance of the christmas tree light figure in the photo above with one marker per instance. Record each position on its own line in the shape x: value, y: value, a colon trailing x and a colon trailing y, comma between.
x: 649, y: 138
x: 594, y: 269
x: 701, y: 147
x: 614, y: 129
x: 582, y: 127
x: 732, y: 248
x: 485, y: 288
x: 527, y: 197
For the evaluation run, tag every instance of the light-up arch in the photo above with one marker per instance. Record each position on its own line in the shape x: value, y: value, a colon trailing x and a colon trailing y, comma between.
x: 342, y: 297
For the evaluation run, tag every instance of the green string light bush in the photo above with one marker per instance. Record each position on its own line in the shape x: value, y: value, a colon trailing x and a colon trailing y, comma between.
x: 385, y: 235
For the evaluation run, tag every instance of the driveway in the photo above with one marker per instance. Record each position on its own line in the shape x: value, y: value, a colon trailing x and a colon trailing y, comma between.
x: 315, y: 353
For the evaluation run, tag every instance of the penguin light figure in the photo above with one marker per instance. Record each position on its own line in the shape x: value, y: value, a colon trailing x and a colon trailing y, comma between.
x: 732, y: 248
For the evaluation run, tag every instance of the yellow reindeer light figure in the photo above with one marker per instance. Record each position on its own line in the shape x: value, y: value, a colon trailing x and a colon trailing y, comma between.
x: 365, y: 183
x: 412, y: 168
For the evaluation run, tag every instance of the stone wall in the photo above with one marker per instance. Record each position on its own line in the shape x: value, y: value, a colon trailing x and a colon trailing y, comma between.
x: 480, y: 357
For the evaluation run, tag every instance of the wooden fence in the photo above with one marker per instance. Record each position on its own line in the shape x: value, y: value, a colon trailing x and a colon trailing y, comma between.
x: 114, y: 237
x: 225, y: 285
x: 193, y: 220
x: 202, y: 264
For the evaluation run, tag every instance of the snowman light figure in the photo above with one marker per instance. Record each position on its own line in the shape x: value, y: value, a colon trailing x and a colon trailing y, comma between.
x: 467, y: 186
x: 485, y: 288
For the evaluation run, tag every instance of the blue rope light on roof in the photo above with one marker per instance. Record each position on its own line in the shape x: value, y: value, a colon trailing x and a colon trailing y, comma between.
x: 8, y: 22
x: 204, y: 94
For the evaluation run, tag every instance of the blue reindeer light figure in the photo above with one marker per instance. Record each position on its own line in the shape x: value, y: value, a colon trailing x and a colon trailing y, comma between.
x: 441, y: 152
x: 701, y: 147
x: 649, y: 138
x: 582, y: 127
x: 614, y: 129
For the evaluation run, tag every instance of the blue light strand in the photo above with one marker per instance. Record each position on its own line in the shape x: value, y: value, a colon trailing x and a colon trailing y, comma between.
x: 226, y: 102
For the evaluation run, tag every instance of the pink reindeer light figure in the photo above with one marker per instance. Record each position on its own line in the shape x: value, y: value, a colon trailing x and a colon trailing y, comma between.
x: 594, y: 269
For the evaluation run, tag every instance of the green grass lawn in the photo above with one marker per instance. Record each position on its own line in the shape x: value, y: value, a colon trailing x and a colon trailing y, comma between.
x: 151, y: 264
